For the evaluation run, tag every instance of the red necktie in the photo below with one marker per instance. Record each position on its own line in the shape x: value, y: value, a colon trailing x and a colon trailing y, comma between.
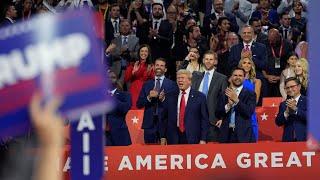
x: 182, y: 112
x: 247, y: 47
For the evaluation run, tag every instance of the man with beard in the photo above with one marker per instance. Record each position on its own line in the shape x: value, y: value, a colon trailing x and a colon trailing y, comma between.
x: 185, y: 114
x: 152, y: 93
x: 278, y: 50
x: 258, y: 36
x: 235, y: 108
x: 194, y: 39
x: 157, y: 33
x: 116, y: 129
x: 211, y: 84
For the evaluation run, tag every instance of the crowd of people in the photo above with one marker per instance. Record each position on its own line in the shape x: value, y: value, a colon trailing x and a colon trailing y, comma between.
x: 198, y: 69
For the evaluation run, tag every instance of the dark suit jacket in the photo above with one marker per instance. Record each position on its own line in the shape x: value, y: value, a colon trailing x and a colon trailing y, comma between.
x: 5, y: 22
x: 150, y: 107
x: 196, y: 118
x: 109, y: 31
x: 259, y: 56
x: 207, y: 21
x: 160, y: 46
x: 296, y: 124
x: 244, y: 110
x: 117, y: 119
x: 262, y: 38
x: 217, y: 85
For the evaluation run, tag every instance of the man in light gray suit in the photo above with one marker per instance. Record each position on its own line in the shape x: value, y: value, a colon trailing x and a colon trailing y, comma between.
x: 210, y: 83
x: 126, y: 47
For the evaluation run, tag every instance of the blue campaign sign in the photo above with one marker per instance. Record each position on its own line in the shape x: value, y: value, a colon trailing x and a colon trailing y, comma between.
x: 87, y: 145
x: 54, y: 55
x: 314, y: 54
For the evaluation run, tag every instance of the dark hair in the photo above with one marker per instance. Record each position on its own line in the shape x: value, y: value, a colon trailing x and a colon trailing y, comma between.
x: 283, y: 14
x: 161, y: 59
x: 292, y: 79
x: 114, y: 5
x: 221, y: 19
x: 5, y: 9
x: 253, y: 19
x: 292, y: 53
x: 157, y: 4
x: 126, y: 20
x: 149, y: 58
x: 238, y: 68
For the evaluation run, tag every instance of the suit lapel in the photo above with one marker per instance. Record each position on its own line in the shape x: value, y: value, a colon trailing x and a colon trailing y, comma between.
x: 213, y: 80
x: 198, y: 81
x: 191, y: 99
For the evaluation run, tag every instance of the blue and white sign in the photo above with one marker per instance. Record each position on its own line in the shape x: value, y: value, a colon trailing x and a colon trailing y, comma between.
x: 54, y: 55
x: 87, y: 147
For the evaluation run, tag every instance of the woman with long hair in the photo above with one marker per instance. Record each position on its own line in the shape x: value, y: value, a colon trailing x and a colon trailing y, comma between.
x: 302, y: 73
x: 192, y: 61
x: 138, y: 72
x: 251, y: 83
x: 288, y: 72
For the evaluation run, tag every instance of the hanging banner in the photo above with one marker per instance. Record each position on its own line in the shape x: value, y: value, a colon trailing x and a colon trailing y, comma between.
x: 265, y: 160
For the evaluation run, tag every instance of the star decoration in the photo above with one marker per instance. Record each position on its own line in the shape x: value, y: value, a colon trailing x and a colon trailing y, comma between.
x: 264, y: 117
x: 135, y: 120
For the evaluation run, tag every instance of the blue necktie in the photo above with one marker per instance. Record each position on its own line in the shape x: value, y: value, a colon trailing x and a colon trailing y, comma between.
x: 158, y: 85
x: 205, y: 85
x: 233, y: 115
x: 232, y: 118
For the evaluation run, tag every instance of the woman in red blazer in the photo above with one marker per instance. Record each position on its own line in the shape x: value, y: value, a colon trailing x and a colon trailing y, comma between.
x: 138, y: 72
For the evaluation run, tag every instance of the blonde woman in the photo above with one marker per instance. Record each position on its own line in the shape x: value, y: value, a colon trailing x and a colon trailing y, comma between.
x: 302, y: 73
x: 251, y: 83
x: 288, y: 72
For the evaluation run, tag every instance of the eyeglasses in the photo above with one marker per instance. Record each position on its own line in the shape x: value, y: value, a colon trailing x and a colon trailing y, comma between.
x: 290, y: 87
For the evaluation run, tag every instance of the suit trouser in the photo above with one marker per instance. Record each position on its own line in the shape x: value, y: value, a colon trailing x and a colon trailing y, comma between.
x: 232, y: 137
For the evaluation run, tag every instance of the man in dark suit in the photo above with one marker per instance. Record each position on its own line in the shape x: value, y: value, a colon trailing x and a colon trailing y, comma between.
x: 157, y: 33
x: 259, y: 51
x: 185, y: 114
x: 112, y: 24
x: 116, y: 129
x: 152, y: 93
x: 293, y: 113
x: 258, y: 35
x: 210, y: 22
x: 211, y: 84
x: 235, y: 108
x: 126, y: 49
x: 10, y: 14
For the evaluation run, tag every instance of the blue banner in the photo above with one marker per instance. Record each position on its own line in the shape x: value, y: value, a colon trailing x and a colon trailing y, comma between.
x: 87, y: 144
x: 314, y: 55
x: 54, y: 55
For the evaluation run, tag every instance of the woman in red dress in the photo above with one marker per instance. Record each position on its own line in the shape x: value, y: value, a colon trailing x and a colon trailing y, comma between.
x: 138, y: 72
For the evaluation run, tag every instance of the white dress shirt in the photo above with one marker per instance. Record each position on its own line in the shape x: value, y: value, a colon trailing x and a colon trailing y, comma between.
x: 210, y: 78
